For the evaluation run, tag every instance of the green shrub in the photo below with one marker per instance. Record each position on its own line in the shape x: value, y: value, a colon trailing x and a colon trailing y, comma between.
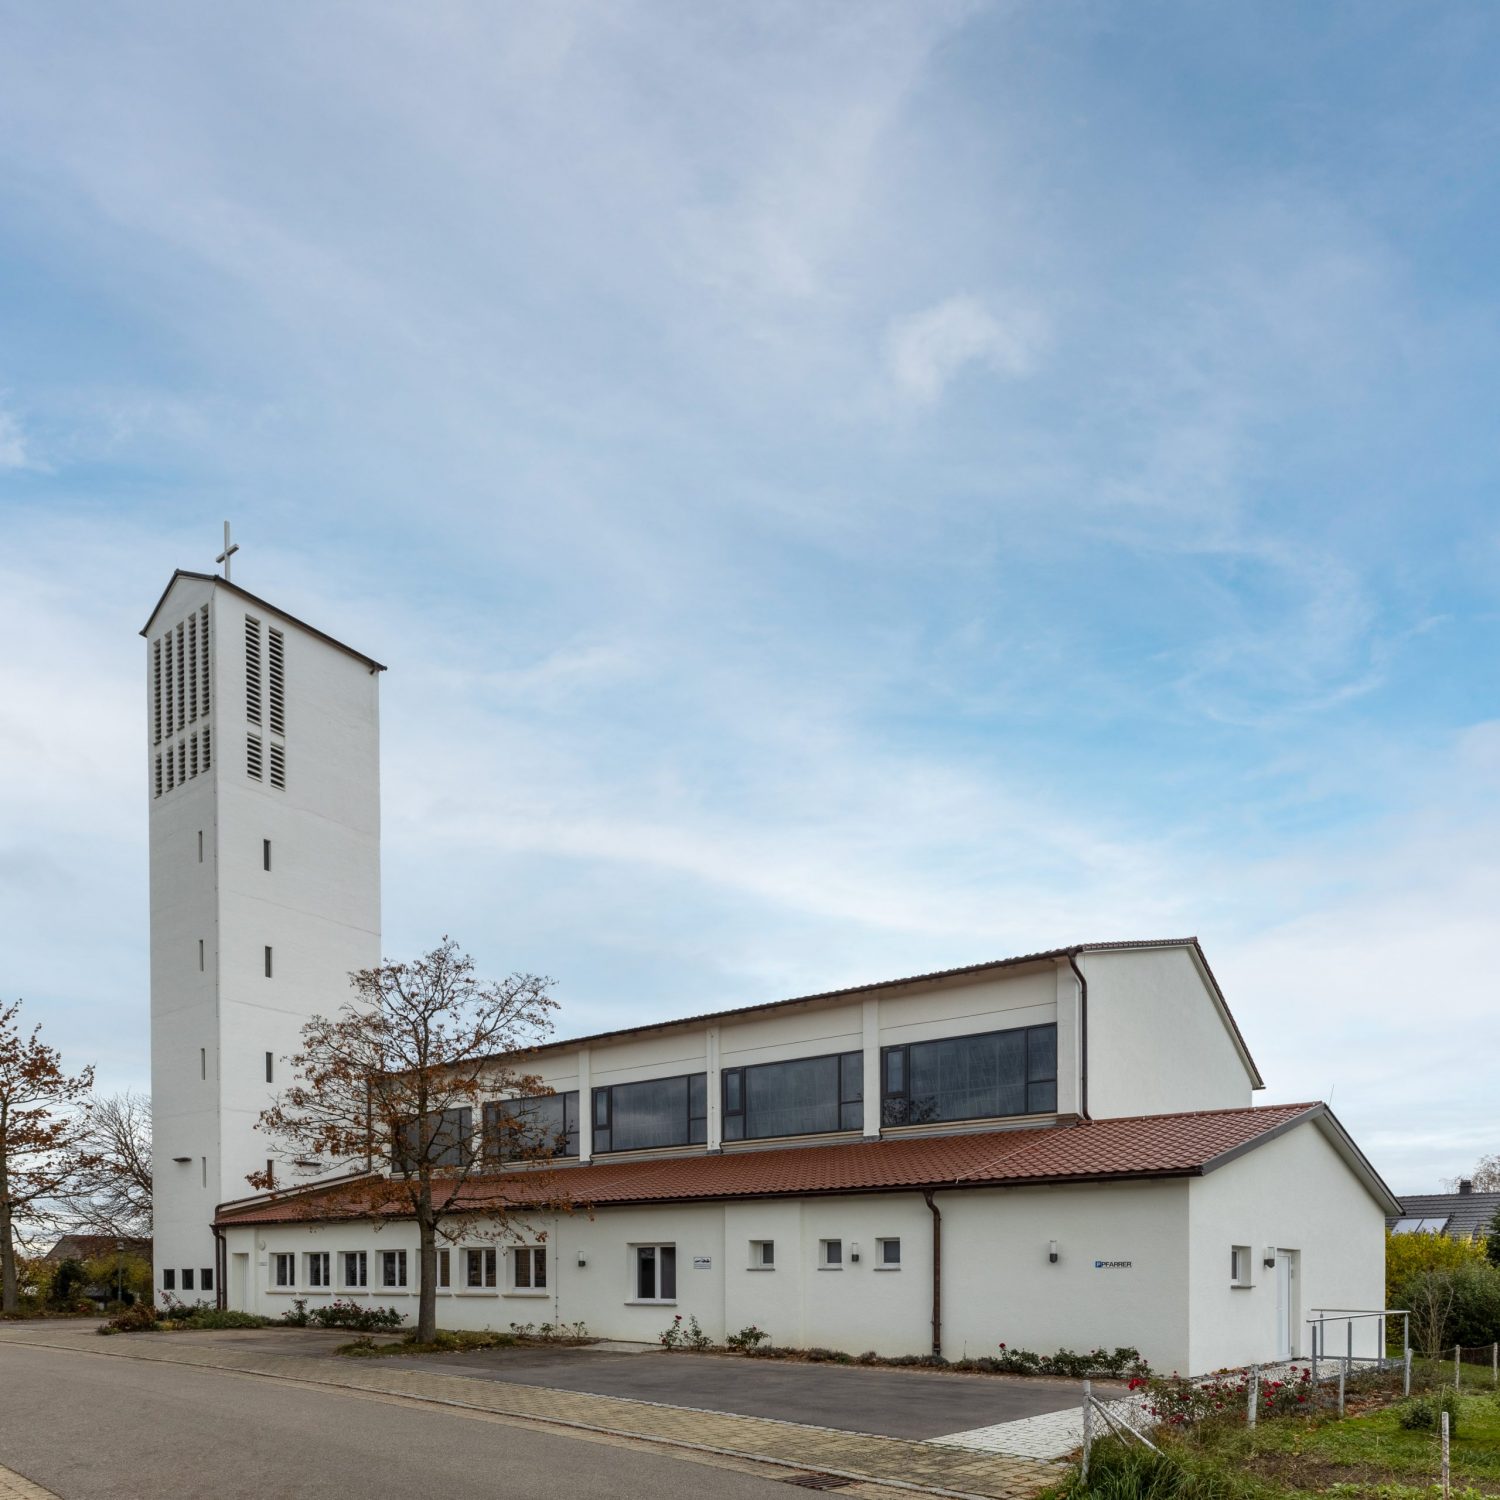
x: 749, y: 1337
x: 139, y: 1318
x: 1120, y: 1473
x: 1423, y: 1413
x: 356, y: 1315
x: 223, y: 1317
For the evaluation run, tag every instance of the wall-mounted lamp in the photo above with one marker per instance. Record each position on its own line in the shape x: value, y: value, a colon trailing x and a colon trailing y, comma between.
x: 1052, y: 1251
x: 1270, y: 1256
x: 583, y: 1260
x: 853, y: 1250
x: 181, y: 1159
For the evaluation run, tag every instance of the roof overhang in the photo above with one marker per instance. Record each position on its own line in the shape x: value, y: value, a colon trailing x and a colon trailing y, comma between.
x: 255, y: 599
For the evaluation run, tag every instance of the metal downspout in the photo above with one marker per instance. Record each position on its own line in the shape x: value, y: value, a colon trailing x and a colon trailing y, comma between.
x: 1083, y: 1036
x: 221, y: 1267
x: 937, y: 1273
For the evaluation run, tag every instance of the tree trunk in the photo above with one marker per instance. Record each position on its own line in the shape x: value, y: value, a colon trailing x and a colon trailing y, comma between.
x: 9, y: 1295
x: 427, y: 1260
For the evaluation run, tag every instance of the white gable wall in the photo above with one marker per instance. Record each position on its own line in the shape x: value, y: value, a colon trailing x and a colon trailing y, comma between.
x: 1293, y: 1193
x: 1158, y: 1042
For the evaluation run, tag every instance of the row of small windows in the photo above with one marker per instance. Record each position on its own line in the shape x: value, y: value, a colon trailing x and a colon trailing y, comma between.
x: 178, y: 764
x: 986, y: 1076
x: 479, y: 1268
x: 191, y: 1281
x: 180, y: 676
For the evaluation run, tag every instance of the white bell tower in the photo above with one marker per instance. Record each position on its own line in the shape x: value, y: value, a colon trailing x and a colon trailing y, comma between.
x: 263, y: 782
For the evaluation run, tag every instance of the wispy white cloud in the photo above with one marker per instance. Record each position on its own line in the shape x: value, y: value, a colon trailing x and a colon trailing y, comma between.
x: 925, y: 350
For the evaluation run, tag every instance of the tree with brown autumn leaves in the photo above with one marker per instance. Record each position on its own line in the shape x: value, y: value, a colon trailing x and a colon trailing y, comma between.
x: 394, y: 1083
x: 44, y: 1118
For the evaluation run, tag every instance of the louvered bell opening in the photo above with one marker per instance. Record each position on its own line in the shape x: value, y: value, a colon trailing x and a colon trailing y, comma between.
x: 193, y: 755
x: 182, y: 662
x: 193, y: 672
x: 253, y: 757
x: 203, y: 647
x: 252, y: 669
x: 158, y: 776
x: 206, y: 756
x: 276, y: 697
x: 181, y: 762
x: 278, y: 767
x: 156, y: 691
x: 167, y: 676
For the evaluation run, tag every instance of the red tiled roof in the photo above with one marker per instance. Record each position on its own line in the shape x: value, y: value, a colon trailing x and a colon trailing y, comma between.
x: 1179, y: 1145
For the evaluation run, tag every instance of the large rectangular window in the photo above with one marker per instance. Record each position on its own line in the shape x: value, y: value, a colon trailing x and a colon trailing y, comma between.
x: 393, y: 1268
x: 317, y: 1268
x: 657, y: 1112
x: 970, y: 1077
x: 655, y: 1273
x: 539, y: 1125
x: 443, y: 1140
x: 807, y: 1096
x: 356, y: 1270
x: 284, y: 1266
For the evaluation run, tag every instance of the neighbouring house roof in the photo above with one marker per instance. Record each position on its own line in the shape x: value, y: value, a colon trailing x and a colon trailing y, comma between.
x: 1458, y: 1215
x: 1128, y: 1149
x: 255, y: 599
x: 1048, y: 955
x: 96, y: 1246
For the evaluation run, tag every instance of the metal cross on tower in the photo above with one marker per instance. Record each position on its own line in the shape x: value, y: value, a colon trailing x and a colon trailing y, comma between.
x: 229, y: 550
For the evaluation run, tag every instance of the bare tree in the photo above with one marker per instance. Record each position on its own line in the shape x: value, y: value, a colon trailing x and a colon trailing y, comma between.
x: 115, y: 1189
x: 44, y: 1118
x: 395, y: 1079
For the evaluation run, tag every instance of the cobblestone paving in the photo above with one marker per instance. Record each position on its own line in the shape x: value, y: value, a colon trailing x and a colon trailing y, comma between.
x: 942, y: 1468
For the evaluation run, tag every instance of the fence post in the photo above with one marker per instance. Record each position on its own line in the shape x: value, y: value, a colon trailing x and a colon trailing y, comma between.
x: 1406, y: 1381
x: 1445, y: 1456
x: 1088, y: 1429
x: 1349, y: 1345
x: 1254, y: 1396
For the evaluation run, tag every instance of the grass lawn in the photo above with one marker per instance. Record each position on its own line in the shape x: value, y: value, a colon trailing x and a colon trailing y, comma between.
x: 1368, y: 1455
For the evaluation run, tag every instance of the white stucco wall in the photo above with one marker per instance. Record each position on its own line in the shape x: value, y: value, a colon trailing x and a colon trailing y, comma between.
x: 1157, y: 1040
x: 998, y: 1283
x: 1294, y: 1193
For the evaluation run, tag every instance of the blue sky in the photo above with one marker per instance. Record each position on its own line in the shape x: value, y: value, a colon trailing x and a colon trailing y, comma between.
x: 842, y: 491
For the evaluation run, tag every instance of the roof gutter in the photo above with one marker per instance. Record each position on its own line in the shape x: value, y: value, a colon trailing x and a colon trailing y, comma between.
x: 1083, y: 1035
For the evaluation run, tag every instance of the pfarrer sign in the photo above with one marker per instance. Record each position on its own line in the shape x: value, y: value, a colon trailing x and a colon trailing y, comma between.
x: 1113, y: 1265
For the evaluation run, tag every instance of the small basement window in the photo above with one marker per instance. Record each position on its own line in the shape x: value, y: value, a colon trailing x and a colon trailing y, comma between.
x: 888, y: 1255
x: 1239, y: 1265
x: 762, y: 1255
x: 830, y: 1255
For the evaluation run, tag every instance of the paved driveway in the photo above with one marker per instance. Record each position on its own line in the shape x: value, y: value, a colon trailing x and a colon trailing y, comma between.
x: 893, y: 1403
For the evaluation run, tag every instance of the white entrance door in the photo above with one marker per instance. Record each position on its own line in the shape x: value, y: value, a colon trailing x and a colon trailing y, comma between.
x: 239, y: 1282
x: 1286, y: 1306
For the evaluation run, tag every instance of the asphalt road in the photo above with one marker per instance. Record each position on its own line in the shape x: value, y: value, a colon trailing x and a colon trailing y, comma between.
x: 92, y: 1428
x: 893, y: 1403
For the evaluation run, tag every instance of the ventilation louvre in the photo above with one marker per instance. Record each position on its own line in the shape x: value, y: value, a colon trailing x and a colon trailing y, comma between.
x: 193, y: 755
x: 193, y: 673
x: 203, y: 647
x: 167, y: 670
x: 276, y: 662
x: 206, y: 757
x: 252, y: 669
x: 156, y: 688
x: 158, y: 776
x: 181, y: 673
x: 253, y: 757
x: 278, y: 766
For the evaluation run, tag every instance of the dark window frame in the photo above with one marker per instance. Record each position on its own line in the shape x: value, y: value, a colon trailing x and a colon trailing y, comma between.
x: 662, y: 1258
x: 735, y: 1122
x: 695, y: 1125
x: 895, y: 1077
x: 568, y: 1142
x: 457, y: 1153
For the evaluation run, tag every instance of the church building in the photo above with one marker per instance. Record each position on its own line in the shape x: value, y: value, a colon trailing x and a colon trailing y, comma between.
x: 1054, y: 1150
